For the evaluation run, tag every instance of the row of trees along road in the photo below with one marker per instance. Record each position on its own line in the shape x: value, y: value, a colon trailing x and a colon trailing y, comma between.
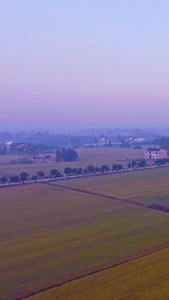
x: 74, y: 171
x: 91, y: 169
x: 24, y: 176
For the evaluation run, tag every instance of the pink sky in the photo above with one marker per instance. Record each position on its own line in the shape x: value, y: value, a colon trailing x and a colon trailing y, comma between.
x: 88, y: 64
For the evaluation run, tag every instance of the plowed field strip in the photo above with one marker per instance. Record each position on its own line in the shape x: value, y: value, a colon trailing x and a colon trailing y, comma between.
x: 103, y: 268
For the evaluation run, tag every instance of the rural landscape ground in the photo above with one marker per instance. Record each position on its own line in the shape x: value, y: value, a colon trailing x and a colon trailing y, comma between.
x: 94, y: 156
x: 93, y: 238
x: 84, y: 150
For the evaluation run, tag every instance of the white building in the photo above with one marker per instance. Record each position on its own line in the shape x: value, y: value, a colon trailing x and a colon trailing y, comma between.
x: 155, y: 153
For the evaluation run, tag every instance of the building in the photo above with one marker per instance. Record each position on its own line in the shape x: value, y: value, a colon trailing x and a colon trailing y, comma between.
x: 155, y: 153
x: 49, y: 159
x: 44, y: 159
x: 38, y: 159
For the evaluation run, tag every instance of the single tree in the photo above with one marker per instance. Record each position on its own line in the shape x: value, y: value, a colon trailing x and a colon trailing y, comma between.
x: 58, y: 155
x: 14, y: 178
x: 41, y: 174
x: 74, y: 171
x: 90, y: 168
x: 67, y: 170
x: 3, y: 180
x: 134, y: 163
x: 164, y: 143
x: 58, y: 175
x: 114, y: 167
x: 163, y: 161
x: 104, y: 168
x: 85, y: 171
x: 24, y: 176
x: 79, y: 171
x: 53, y: 172
x: 34, y: 177
x: 69, y: 154
x: 142, y: 164
x: 157, y: 162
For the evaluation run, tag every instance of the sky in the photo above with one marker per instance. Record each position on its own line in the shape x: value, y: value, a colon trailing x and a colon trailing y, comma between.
x: 84, y: 64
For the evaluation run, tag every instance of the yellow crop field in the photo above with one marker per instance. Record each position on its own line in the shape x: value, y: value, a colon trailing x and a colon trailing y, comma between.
x: 37, y: 207
x: 49, y: 235
x: 142, y: 279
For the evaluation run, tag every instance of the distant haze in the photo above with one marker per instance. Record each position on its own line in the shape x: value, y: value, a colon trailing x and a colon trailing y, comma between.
x: 88, y: 63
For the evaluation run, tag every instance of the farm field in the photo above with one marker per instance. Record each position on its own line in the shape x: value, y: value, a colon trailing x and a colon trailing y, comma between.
x: 144, y: 278
x: 129, y: 185
x: 94, y: 156
x: 36, y: 208
x: 49, y: 236
x: 32, y: 169
x: 6, y: 159
x: 158, y: 198
x: 115, y: 152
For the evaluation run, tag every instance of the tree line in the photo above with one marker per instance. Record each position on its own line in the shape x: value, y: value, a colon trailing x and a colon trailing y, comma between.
x: 161, y: 161
x: 137, y: 164
x: 54, y: 173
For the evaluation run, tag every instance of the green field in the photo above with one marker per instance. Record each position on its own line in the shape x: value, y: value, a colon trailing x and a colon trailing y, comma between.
x: 158, y: 198
x: 50, y: 235
x: 94, y: 156
x: 142, y: 279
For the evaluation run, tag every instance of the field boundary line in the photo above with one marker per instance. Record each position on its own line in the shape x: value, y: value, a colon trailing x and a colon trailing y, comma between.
x: 99, y: 270
x: 53, y: 229
x: 84, y: 191
x: 126, y: 201
x: 151, y: 194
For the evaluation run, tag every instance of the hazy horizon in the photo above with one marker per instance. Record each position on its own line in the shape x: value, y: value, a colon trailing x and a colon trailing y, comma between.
x: 84, y: 64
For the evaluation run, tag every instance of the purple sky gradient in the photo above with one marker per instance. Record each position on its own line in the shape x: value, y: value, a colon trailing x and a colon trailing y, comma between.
x: 85, y: 63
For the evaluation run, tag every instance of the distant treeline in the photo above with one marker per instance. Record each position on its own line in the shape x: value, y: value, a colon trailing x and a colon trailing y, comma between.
x: 47, y: 140
x: 163, y: 142
x: 62, y: 154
